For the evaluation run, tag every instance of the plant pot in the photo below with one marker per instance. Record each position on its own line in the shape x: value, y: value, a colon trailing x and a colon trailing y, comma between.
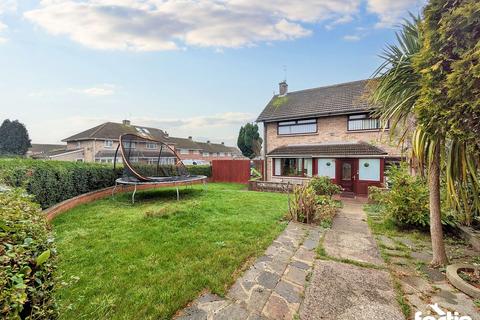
x: 459, y: 283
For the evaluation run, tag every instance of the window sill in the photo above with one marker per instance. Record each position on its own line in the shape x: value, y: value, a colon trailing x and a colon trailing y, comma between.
x: 297, y: 134
x: 367, y: 130
x: 291, y: 177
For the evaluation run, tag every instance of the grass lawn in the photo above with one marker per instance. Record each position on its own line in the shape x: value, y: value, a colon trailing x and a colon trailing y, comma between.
x: 146, y: 261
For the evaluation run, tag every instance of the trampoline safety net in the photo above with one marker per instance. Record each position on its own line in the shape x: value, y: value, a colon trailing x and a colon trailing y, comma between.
x: 148, y: 160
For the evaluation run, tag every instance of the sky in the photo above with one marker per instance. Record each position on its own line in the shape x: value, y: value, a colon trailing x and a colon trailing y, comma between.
x: 199, y: 68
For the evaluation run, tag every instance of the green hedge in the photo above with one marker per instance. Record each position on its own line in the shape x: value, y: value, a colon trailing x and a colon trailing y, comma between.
x: 51, y: 182
x: 204, y: 170
x: 27, y: 260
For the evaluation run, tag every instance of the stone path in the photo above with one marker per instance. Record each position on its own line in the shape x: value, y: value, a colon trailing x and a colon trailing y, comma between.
x: 343, y: 290
x: 272, y: 288
x: 423, y: 285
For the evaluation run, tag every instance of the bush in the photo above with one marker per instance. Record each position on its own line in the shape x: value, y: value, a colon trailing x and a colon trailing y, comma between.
x: 51, y: 182
x: 203, y: 170
x: 326, y: 210
x: 407, y: 201
x: 27, y: 260
x: 307, y: 207
x: 303, y: 207
x: 323, y: 186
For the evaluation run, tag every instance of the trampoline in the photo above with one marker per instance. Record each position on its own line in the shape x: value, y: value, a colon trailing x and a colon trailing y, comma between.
x: 151, y: 162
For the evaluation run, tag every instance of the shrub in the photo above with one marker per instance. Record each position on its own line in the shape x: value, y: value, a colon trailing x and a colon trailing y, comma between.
x: 204, y: 170
x: 51, y: 182
x: 326, y: 210
x: 303, y: 207
x: 407, y: 201
x: 307, y: 207
x: 323, y: 186
x: 27, y: 260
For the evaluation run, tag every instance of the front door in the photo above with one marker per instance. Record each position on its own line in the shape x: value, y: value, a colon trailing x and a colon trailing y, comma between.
x: 346, y: 174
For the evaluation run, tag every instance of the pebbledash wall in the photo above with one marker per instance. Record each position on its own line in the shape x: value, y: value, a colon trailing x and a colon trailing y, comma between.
x: 330, y: 129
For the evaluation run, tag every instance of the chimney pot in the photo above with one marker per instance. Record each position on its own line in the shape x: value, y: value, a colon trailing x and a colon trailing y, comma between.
x: 208, y: 141
x: 190, y: 137
x: 223, y: 143
x: 283, y: 88
x: 126, y: 122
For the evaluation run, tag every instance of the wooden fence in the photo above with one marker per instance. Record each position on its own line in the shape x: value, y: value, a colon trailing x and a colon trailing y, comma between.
x: 234, y: 170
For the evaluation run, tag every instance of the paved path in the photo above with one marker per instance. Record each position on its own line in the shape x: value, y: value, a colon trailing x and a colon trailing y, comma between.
x: 346, y: 291
x: 272, y: 288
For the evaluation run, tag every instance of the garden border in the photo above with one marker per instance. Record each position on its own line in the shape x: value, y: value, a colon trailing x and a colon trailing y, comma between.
x: 54, y: 211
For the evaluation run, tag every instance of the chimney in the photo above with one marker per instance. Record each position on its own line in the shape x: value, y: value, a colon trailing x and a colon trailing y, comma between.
x: 223, y: 143
x: 126, y: 122
x: 190, y: 138
x: 208, y: 141
x: 283, y: 88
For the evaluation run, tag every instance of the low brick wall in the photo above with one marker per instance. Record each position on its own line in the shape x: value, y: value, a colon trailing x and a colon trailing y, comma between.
x: 270, y: 186
x: 66, y: 205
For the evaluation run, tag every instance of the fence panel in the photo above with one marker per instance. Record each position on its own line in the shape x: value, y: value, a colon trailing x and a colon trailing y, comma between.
x: 231, y: 171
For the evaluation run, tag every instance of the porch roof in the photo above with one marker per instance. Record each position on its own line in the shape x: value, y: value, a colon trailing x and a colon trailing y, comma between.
x: 328, y: 149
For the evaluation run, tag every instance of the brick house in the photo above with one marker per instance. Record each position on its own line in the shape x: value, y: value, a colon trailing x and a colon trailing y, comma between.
x: 326, y: 131
x: 99, y: 144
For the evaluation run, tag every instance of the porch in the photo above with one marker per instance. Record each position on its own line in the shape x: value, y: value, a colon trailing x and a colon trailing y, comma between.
x: 353, y: 166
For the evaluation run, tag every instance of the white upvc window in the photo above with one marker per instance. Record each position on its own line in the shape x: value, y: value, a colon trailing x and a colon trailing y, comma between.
x: 206, y: 154
x: 196, y: 151
x: 79, y: 144
x: 297, y: 126
x: 130, y: 145
x: 151, y: 145
x: 108, y: 143
x: 184, y: 151
x: 222, y: 154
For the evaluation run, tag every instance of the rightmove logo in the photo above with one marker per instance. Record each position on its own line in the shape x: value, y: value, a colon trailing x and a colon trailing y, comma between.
x: 441, y: 315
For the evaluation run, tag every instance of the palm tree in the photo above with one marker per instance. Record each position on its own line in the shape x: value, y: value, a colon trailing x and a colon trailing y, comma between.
x: 397, y: 88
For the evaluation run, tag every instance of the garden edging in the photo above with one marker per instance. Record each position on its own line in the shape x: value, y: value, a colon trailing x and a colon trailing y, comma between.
x: 71, y: 203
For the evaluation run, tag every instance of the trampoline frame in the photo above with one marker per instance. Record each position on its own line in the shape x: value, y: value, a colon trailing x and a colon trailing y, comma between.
x: 139, y: 179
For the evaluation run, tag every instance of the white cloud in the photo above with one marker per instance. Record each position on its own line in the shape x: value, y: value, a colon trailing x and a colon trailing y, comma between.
x: 216, y: 127
x: 391, y: 12
x: 211, y: 121
x: 102, y: 90
x: 6, y: 6
x: 151, y: 25
x: 352, y: 37
x: 95, y: 91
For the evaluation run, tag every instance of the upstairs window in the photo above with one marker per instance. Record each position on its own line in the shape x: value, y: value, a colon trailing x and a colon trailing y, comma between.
x: 184, y: 151
x: 108, y: 143
x: 359, y: 122
x: 152, y: 145
x: 129, y: 145
x: 297, y: 126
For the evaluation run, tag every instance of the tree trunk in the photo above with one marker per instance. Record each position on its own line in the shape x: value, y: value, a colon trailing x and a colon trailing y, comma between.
x: 436, y: 232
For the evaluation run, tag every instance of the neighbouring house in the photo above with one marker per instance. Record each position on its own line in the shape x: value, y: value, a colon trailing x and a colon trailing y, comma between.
x: 326, y: 131
x: 191, y: 151
x: 41, y: 151
x: 99, y: 144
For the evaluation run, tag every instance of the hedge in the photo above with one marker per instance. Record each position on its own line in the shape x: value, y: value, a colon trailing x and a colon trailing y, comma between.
x: 51, y: 182
x: 27, y: 260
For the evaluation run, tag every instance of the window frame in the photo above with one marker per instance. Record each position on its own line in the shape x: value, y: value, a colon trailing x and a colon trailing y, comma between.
x: 149, y: 144
x: 297, y: 122
x: 108, y: 144
x: 296, y: 175
x: 365, y: 116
